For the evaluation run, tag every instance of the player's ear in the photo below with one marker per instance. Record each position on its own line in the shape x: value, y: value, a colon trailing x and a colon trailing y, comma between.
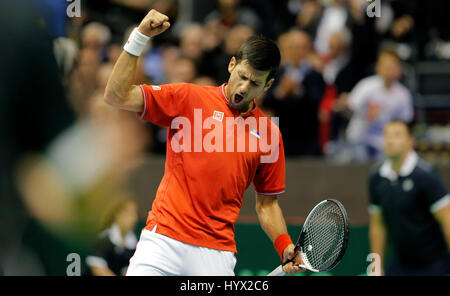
x: 232, y: 64
x: 269, y: 84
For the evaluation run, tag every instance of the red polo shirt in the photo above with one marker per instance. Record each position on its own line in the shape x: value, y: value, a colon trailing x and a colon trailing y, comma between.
x: 208, y: 165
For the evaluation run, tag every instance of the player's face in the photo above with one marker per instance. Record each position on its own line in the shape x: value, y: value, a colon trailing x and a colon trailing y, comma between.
x: 397, y: 140
x: 389, y: 68
x: 245, y: 84
x: 128, y: 216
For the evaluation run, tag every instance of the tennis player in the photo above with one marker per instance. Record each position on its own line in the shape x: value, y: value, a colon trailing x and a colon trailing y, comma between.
x: 190, y: 228
x: 409, y: 209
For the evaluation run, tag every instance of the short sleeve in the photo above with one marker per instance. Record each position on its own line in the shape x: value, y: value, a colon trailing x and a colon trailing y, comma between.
x: 374, y: 198
x: 405, y: 111
x: 357, y: 97
x: 162, y: 103
x: 434, y: 191
x: 270, y: 176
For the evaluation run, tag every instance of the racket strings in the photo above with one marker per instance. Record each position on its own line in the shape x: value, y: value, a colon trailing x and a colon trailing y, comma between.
x: 326, y: 224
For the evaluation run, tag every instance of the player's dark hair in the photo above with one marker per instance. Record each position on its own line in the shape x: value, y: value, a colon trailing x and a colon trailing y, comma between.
x: 262, y: 54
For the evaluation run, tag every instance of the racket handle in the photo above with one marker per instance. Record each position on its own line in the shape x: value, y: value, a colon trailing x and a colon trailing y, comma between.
x: 277, y: 271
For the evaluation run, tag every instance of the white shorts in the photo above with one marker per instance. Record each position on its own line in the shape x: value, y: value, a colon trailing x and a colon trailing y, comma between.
x: 158, y: 255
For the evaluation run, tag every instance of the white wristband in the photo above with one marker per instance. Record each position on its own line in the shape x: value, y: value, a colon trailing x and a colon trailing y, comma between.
x: 136, y: 43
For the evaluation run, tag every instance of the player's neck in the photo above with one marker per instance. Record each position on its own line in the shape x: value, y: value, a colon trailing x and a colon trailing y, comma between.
x: 123, y: 231
x: 250, y: 107
x: 388, y: 83
x: 397, y: 161
x: 244, y: 110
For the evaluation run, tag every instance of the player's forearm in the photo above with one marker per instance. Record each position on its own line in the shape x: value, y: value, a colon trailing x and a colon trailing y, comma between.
x: 377, y: 235
x: 120, y: 90
x: 443, y: 217
x: 120, y: 81
x: 271, y: 217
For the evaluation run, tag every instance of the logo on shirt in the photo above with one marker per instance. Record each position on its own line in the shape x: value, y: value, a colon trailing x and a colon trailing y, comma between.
x: 156, y: 87
x: 218, y: 133
x: 218, y: 115
x: 255, y: 133
x: 407, y: 185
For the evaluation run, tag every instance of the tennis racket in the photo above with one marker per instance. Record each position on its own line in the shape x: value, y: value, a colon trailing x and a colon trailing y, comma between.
x: 323, y: 239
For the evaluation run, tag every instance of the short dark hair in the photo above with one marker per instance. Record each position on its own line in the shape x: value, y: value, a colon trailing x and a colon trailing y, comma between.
x: 262, y: 54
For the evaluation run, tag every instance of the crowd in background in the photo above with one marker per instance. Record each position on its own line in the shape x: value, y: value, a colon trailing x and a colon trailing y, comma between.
x: 328, y: 47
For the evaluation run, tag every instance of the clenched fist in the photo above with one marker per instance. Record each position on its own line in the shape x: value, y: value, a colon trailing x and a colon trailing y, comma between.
x: 154, y: 23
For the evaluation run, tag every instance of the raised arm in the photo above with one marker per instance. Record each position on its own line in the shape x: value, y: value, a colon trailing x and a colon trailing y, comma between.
x: 120, y: 91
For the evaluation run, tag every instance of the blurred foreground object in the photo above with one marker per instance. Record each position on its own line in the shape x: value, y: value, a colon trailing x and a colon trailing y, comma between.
x: 82, y: 171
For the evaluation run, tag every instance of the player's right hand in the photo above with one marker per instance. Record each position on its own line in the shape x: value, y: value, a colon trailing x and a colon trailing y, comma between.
x: 154, y: 23
x: 292, y: 267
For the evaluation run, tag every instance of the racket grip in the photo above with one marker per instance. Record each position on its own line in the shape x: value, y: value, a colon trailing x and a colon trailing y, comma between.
x: 277, y: 271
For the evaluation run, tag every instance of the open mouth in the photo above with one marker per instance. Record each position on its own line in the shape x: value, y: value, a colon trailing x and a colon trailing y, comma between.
x: 238, y: 98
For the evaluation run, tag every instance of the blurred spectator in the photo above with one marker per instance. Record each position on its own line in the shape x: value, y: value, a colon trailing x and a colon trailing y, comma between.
x: 231, y: 13
x: 33, y: 110
x: 191, y: 42
x: 65, y: 50
x: 375, y: 101
x: 214, y: 35
x: 183, y: 71
x: 333, y: 19
x: 365, y: 40
x: 309, y: 16
x: 397, y: 21
x: 159, y: 62
x: 338, y: 59
x: 85, y: 165
x: 321, y: 19
x: 296, y: 94
x: 218, y: 59
x: 235, y: 37
x: 397, y: 26
x: 340, y: 78
x: 83, y: 81
x: 282, y: 15
x: 113, y: 52
x: 95, y: 36
x: 116, y: 242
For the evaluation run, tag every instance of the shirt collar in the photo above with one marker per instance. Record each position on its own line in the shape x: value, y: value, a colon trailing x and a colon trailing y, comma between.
x: 406, y: 169
x: 116, y: 237
x: 222, y: 90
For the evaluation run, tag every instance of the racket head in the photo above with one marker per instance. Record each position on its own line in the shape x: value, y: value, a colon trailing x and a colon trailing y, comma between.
x: 324, y: 236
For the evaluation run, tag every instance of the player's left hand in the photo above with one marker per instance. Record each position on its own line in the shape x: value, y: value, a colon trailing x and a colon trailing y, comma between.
x: 292, y: 267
